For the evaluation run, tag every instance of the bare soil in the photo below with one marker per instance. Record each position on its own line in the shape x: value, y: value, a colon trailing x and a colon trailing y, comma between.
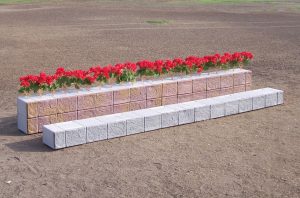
x: 255, y: 154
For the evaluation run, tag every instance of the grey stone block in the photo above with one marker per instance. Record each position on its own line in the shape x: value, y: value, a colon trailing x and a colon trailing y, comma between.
x: 135, y: 123
x: 245, y: 105
x: 54, y: 136
x: 22, y: 123
x: 116, y: 129
x: 271, y: 99
x: 280, y: 97
x: 202, y: 113
x: 75, y: 133
x: 186, y: 116
x: 259, y: 102
x: 95, y: 129
x: 217, y: 110
x: 152, y: 120
x: 231, y: 108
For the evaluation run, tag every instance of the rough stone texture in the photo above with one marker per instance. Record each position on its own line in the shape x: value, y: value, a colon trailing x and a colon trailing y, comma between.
x: 45, y: 120
x: 95, y: 130
x: 226, y: 91
x: 186, y: 116
x: 66, y: 104
x: 136, y: 105
x: 47, y: 107
x: 259, y: 102
x: 104, y: 99
x: 245, y: 105
x: 239, y: 88
x: 32, y: 110
x: 88, y: 113
x: 199, y: 85
x: 280, y: 99
x: 185, y: 87
x: 231, y: 108
x: 86, y: 101
x: 213, y: 83
x: 169, y: 119
x: 202, y: 113
x: 64, y: 117
x: 116, y: 129
x: 239, y: 78
x: 119, y: 108
x: 199, y: 95
x: 248, y: 77
x: 99, y: 111
x: 75, y: 133
x: 271, y: 99
x: 185, y: 97
x: 154, y: 91
x: 121, y: 96
x: 22, y: 123
x: 169, y: 100
x: 152, y: 121
x: 227, y: 81
x: 32, y: 125
x: 248, y: 87
x: 153, y: 102
x: 54, y: 137
x: 213, y: 93
x: 217, y: 110
x: 169, y: 89
x: 138, y: 94
x: 135, y: 124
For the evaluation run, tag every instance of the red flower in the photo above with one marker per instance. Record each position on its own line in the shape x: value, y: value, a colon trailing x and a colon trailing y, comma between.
x: 25, y: 84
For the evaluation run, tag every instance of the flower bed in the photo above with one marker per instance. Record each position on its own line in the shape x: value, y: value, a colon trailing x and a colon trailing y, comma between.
x: 130, y: 72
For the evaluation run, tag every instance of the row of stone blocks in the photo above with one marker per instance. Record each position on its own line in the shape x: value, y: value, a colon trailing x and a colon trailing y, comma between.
x: 84, y: 131
x: 36, y: 111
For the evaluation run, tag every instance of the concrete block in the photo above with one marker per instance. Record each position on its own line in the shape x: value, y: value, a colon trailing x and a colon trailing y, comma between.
x: 121, y: 96
x: 169, y: 100
x: 169, y: 89
x: 226, y: 91
x: 280, y: 97
x: 116, y: 129
x: 32, y: 126
x: 136, y: 105
x: 135, y: 123
x: 248, y: 77
x: 47, y: 107
x: 152, y: 120
x: 213, y: 93
x: 154, y: 91
x: 202, y: 113
x: 153, y: 102
x: 138, y: 94
x: 54, y: 136
x: 245, y: 105
x: 64, y: 117
x: 186, y: 113
x: 95, y: 129
x: 199, y: 85
x: 199, y: 95
x: 104, y: 99
x: 88, y: 113
x: 22, y: 123
x: 239, y: 88
x: 271, y: 99
x: 46, y: 120
x: 185, y: 87
x: 75, y: 133
x: 119, y: 108
x: 67, y: 104
x: 239, y: 78
x: 32, y: 110
x: 248, y: 87
x: 185, y: 97
x: 232, y: 107
x: 259, y: 102
x: 227, y: 81
x: 217, y: 110
x: 99, y: 111
x: 169, y: 117
x: 213, y: 82
x: 86, y: 101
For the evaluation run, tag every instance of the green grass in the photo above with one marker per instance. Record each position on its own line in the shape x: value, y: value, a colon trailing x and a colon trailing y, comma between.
x: 158, y: 22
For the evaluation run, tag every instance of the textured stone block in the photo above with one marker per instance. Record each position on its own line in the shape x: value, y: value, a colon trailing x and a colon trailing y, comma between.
x: 119, y: 108
x: 32, y: 125
x: 185, y: 97
x: 154, y: 91
x: 138, y: 94
x: 169, y: 89
x: 231, y: 107
x: 259, y: 102
x: 135, y: 123
x: 64, y: 117
x: 75, y: 133
x: 169, y: 117
x: 280, y: 97
x: 227, y: 81
x: 45, y: 120
x: 121, y: 96
x: 239, y: 78
x: 136, y: 105
x: 245, y: 105
x: 271, y: 99
x: 152, y: 120
x: 202, y: 113
x: 213, y: 83
x: 239, y: 88
x: 22, y: 123
x: 199, y: 85
x: 116, y: 129
x: 213, y: 93
x: 169, y: 100
x: 217, y: 110
x: 32, y: 110
x: 185, y: 87
x: 67, y: 104
x: 86, y: 101
x: 95, y: 129
x: 99, y: 111
x: 54, y: 136
x: 199, y: 95
x: 248, y: 77
x: 153, y: 102
x: 47, y: 107
x: 248, y: 87
x: 186, y: 115
x: 88, y: 113
x: 226, y: 91
x: 104, y: 99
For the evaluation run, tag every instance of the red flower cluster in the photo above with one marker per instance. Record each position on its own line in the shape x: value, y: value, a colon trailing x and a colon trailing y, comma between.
x: 126, y: 72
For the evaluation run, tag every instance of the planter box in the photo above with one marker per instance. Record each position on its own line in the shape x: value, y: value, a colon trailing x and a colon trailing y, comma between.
x: 36, y: 111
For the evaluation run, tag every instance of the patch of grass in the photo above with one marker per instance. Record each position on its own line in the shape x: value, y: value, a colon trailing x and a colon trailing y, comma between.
x: 232, y: 1
x: 158, y: 22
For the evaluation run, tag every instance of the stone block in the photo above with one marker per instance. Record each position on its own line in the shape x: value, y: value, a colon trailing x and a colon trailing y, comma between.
x: 154, y: 91
x: 86, y: 101
x: 47, y: 107
x: 75, y: 133
x: 138, y: 94
x: 64, y: 117
x: 119, y: 108
x: 152, y: 120
x: 169, y: 117
x: 99, y: 111
x: 88, y: 113
x: 199, y: 85
x: 116, y: 129
x: 271, y: 99
x: 217, y: 110
x: 202, y: 113
x: 104, y: 99
x: 185, y: 97
x: 67, y: 104
x: 185, y: 87
x: 227, y: 81
x: 231, y: 107
x: 245, y: 105
x: 213, y: 93
x: 213, y: 83
x: 169, y: 89
x: 239, y: 78
x: 169, y: 100
x: 226, y: 91
x: 239, y: 88
x: 186, y: 115
x: 259, y: 102
x: 248, y: 87
x: 54, y: 136
x: 280, y: 97
x: 95, y: 129
x: 199, y: 95
x: 136, y: 105
x: 248, y: 77
x: 22, y: 123
x: 153, y: 102
x: 45, y: 120
x: 135, y: 123
x: 32, y: 125
x: 121, y: 96
x: 32, y: 110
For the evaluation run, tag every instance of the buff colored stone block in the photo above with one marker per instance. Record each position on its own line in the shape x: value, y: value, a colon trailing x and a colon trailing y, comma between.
x: 138, y: 94
x: 66, y: 104
x: 88, y: 113
x: 32, y: 126
x: 226, y: 91
x: 239, y: 78
x: 227, y: 81
x: 75, y: 133
x: 86, y: 101
x: 64, y: 117
x: 213, y: 93
x: 239, y: 88
x: 121, y: 96
x: 248, y: 77
x: 199, y: 95
x: 185, y: 97
x: 213, y: 83
x: 169, y: 100
x: 99, y: 111
x: 154, y: 91
x: 248, y: 87
x: 54, y: 136
x: 47, y: 107
x: 104, y: 99
x: 119, y: 108
x: 153, y: 102
x: 32, y: 110
x: 45, y: 120
x: 169, y: 89
x: 199, y: 85
x: 136, y: 105
x: 185, y: 87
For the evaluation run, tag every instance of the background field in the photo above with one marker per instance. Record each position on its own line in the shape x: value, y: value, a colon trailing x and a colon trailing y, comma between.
x: 256, y: 154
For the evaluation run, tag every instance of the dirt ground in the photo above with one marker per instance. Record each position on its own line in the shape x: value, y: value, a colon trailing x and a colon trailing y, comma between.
x: 255, y: 154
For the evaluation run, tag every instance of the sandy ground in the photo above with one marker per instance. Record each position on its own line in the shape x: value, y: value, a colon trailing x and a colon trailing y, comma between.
x: 255, y: 154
